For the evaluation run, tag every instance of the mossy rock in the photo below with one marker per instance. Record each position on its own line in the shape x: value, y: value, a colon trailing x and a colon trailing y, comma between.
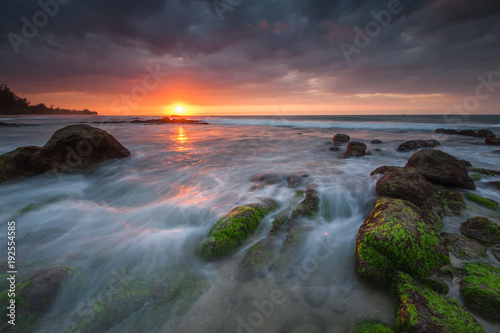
x: 420, y: 309
x: 481, y: 229
x: 373, y: 327
x: 452, y: 201
x: 488, y: 203
x: 409, y: 185
x: 396, y: 237
x: 485, y: 172
x: 463, y: 247
x: 309, y: 207
x: 232, y: 229
x: 476, y: 177
x: 384, y: 170
x: 481, y: 289
x: 257, y: 259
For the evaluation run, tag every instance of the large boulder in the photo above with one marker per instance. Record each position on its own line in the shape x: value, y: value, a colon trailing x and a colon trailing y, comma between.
x: 355, y: 149
x: 441, y: 168
x: 409, y: 185
x: 396, y: 237
x: 229, y: 232
x: 417, y: 144
x: 420, y: 309
x: 69, y: 149
x: 485, y: 134
x: 481, y: 289
x: 481, y: 229
x: 341, y: 138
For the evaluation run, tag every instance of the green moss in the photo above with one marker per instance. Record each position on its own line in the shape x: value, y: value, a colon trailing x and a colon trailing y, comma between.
x: 481, y: 289
x: 476, y: 177
x: 421, y: 308
x: 232, y: 229
x: 373, y: 327
x: 482, y: 201
x: 299, y: 194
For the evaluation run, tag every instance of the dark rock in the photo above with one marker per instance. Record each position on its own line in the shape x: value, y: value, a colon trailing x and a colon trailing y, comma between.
x: 355, y: 149
x: 492, y: 141
x: 495, y: 250
x: 417, y: 144
x: 420, y: 309
x: 465, y: 163
x: 267, y: 178
x: 341, y: 138
x: 441, y: 131
x: 384, y: 170
x: 297, y: 180
x: 69, y: 149
x: 441, y: 168
x: 494, y: 184
x: 436, y: 284
x: 467, y: 133
x: 396, y: 237
x: 451, y: 131
x: 334, y: 148
x: 486, y: 172
x: 453, y: 202
x: 409, y: 185
x: 376, y: 142
x: 463, y: 247
x: 481, y: 289
x: 481, y: 229
x: 485, y: 134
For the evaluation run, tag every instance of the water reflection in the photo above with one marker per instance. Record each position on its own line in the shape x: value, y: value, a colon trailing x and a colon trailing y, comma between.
x: 181, y: 139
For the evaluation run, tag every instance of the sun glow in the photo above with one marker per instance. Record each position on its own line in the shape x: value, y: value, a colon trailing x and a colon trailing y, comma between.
x: 179, y: 109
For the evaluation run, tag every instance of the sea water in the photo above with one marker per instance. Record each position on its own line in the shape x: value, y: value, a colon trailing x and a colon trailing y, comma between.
x: 139, y: 219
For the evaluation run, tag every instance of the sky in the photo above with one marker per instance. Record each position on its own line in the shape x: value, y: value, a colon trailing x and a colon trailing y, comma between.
x: 242, y: 57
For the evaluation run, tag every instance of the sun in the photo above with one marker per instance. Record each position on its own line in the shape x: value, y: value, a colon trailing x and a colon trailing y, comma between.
x: 179, y: 109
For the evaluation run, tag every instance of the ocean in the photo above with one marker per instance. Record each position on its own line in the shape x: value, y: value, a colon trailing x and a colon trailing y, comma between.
x: 136, y: 221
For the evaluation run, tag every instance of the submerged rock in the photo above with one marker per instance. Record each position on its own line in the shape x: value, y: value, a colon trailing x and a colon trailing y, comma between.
x: 440, y: 131
x: 396, y: 237
x: 481, y: 229
x: 421, y: 309
x: 495, y: 184
x: 376, y: 142
x: 481, y: 289
x: 341, y: 138
x: 492, y: 141
x: 69, y: 149
x: 485, y: 134
x: 411, y: 186
x: 467, y: 133
x: 463, y: 247
x: 257, y: 259
x: 416, y: 144
x: 355, y: 149
x: 441, y: 168
x: 451, y: 131
x: 229, y: 232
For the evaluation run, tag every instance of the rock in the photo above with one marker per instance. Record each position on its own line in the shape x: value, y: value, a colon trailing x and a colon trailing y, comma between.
x: 409, y: 185
x: 377, y: 142
x: 441, y: 168
x: 267, y: 179
x: 451, y: 131
x: 35, y: 296
x: 341, y: 138
x: 495, y: 250
x: 485, y: 134
x: 436, y: 284
x: 420, y: 309
x: 486, y: 172
x: 494, y: 184
x: 69, y: 149
x: 256, y: 260
x: 492, y: 141
x: 485, y: 202
x: 305, y: 327
x: 229, y: 232
x: 475, y: 177
x: 465, y: 163
x: 384, y: 170
x: 481, y: 229
x: 416, y: 144
x: 467, y: 133
x: 296, y: 180
x: 440, y: 131
x: 334, y: 148
x: 481, y: 289
x: 316, y: 296
x: 396, y: 237
x: 453, y: 202
x: 373, y: 327
x: 309, y: 207
x: 463, y: 247
x: 355, y: 149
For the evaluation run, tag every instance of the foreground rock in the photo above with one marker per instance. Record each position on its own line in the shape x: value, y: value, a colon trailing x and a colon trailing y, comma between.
x: 441, y: 168
x: 481, y: 229
x: 396, y: 237
x: 35, y: 296
x: 232, y: 229
x: 481, y: 289
x: 355, y: 149
x: 417, y: 144
x: 421, y: 309
x: 411, y: 186
x: 341, y: 138
x: 463, y: 247
x: 69, y: 149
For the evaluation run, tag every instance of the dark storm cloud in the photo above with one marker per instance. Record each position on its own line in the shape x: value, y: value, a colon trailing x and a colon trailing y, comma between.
x: 431, y: 46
